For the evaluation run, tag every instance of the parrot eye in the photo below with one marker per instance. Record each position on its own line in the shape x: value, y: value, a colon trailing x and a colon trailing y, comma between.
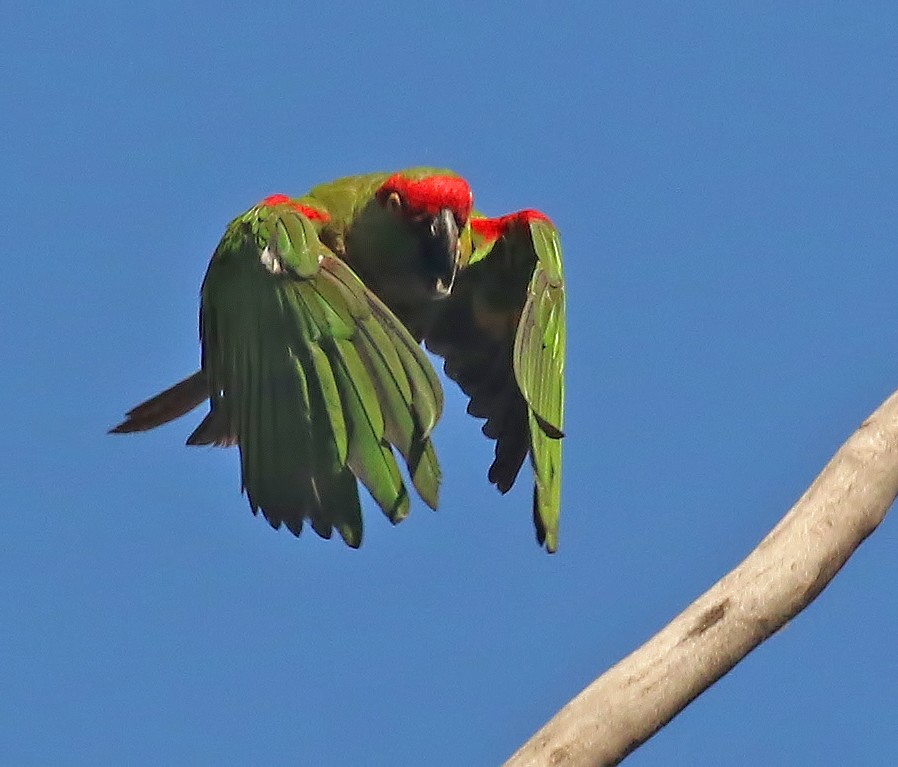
x: 393, y: 201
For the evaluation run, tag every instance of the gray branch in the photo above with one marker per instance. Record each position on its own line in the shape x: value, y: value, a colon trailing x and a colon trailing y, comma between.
x: 635, y: 698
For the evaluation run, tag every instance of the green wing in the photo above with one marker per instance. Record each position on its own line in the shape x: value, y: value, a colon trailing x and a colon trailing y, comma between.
x: 313, y: 377
x: 539, y: 351
x: 502, y: 334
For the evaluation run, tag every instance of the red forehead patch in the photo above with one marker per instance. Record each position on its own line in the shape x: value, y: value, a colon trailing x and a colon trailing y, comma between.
x: 494, y: 228
x: 309, y: 212
x: 431, y: 194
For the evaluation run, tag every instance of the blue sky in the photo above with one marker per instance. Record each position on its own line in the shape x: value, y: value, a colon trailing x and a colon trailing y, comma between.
x: 725, y: 177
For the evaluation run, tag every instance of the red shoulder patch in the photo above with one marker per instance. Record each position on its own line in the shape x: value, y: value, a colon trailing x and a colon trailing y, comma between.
x: 431, y: 194
x: 494, y: 228
x: 309, y: 212
x: 274, y: 199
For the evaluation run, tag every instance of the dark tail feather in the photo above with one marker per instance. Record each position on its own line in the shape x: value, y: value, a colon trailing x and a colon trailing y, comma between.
x: 166, y: 406
x: 213, y: 430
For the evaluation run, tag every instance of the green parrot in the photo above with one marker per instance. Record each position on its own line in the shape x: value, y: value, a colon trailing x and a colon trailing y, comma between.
x: 312, y: 314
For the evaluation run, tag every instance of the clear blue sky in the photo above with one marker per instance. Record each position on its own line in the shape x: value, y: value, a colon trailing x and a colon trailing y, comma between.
x: 725, y: 177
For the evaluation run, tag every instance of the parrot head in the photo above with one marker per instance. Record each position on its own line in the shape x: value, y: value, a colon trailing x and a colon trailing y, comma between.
x: 408, y: 238
x: 433, y: 211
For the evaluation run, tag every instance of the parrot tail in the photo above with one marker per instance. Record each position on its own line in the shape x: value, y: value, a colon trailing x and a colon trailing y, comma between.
x: 166, y: 406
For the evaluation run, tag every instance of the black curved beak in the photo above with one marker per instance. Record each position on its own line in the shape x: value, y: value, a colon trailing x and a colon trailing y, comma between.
x: 441, y: 250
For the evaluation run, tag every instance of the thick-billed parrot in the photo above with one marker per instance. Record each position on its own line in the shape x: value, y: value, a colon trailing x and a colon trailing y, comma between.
x: 312, y: 314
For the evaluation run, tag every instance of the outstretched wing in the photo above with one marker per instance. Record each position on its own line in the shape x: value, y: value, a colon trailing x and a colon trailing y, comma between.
x: 313, y: 377
x: 502, y: 335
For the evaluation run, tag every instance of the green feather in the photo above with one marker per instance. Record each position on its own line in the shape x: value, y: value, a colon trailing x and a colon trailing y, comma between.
x: 369, y: 455
x: 331, y: 396
x: 538, y: 356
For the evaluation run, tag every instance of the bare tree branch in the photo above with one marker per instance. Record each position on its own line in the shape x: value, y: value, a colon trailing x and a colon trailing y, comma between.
x: 635, y: 698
